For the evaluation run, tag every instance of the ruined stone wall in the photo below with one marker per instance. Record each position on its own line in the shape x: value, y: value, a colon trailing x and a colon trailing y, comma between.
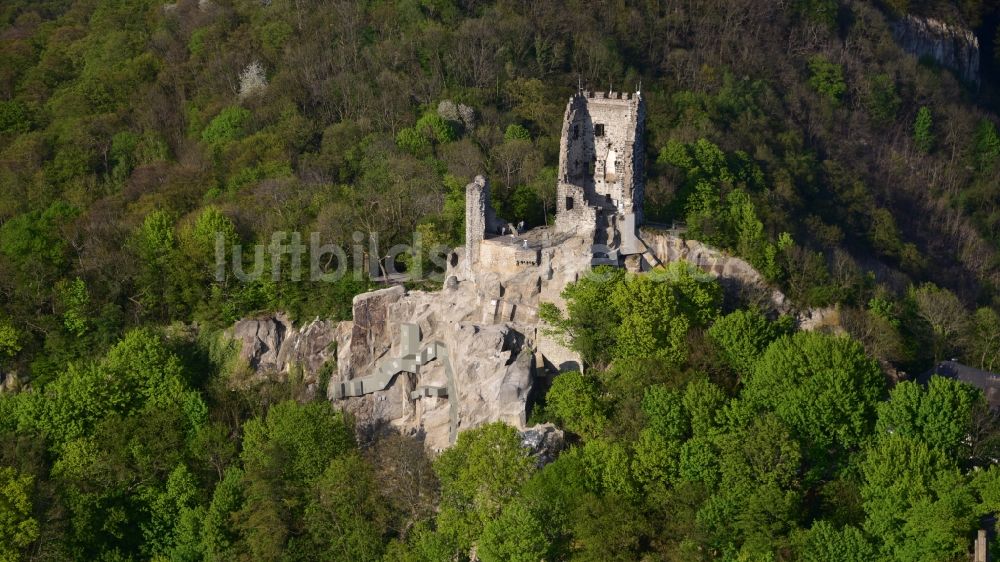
x: 618, y: 168
x: 601, y: 151
x: 480, y: 219
x: 637, y: 165
x: 497, y: 256
x: 574, y: 149
x: 581, y: 218
x: 475, y: 222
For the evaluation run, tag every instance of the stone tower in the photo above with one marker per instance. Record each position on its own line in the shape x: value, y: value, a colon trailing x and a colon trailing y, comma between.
x: 480, y: 220
x: 601, y: 158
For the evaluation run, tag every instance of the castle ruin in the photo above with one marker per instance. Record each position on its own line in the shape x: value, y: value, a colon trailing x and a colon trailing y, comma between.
x: 435, y: 363
x: 601, y: 158
x: 599, y: 197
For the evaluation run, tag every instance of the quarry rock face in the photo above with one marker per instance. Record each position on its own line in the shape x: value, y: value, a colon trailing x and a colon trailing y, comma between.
x: 950, y: 46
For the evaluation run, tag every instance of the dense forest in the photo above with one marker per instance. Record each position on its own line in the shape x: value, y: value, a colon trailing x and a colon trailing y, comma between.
x: 796, y: 134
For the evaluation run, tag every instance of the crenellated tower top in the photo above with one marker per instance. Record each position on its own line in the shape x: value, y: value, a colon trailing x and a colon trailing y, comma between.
x: 601, y: 155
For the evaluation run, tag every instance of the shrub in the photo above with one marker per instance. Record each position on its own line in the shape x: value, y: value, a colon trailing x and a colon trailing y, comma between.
x: 516, y: 132
x: 230, y: 124
x: 827, y: 78
x: 923, y: 130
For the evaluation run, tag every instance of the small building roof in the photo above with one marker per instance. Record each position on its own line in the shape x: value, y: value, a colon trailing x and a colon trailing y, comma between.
x: 986, y: 381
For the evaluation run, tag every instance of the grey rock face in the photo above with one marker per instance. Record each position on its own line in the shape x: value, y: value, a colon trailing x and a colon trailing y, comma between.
x: 486, y: 369
x: 544, y: 442
x: 369, y: 332
x: 272, y: 346
x: 950, y: 46
x: 738, y: 278
x: 260, y: 341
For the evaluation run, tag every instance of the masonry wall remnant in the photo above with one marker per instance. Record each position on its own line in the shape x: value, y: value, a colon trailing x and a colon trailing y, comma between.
x: 600, y: 190
x: 601, y: 156
x: 480, y: 219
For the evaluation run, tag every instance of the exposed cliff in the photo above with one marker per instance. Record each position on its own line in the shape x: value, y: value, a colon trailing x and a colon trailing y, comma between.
x: 452, y: 373
x: 739, y: 279
x: 950, y: 46
x: 272, y: 347
x: 435, y: 363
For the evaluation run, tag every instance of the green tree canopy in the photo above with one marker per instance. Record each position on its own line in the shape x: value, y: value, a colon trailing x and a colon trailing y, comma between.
x: 916, y: 501
x: 480, y: 475
x: 229, y: 125
x: 823, y: 542
x: 574, y: 401
x: 18, y: 529
x: 303, y: 437
x: 824, y: 387
x: 742, y: 336
x: 515, y: 536
x: 923, y: 130
x: 590, y: 323
x: 939, y: 416
x: 827, y: 78
x: 9, y: 339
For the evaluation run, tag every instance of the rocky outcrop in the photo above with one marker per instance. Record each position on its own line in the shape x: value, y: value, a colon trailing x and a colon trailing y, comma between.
x: 369, y: 332
x: 272, y: 347
x: 820, y: 320
x: 543, y: 442
x: 741, y: 282
x: 9, y: 382
x: 461, y: 374
x: 432, y: 364
x: 950, y: 46
x: 738, y: 278
x: 260, y: 341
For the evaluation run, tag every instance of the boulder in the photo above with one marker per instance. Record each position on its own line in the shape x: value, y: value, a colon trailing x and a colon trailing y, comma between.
x: 544, y: 442
x: 820, y: 320
x: 9, y: 382
x: 260, y: 341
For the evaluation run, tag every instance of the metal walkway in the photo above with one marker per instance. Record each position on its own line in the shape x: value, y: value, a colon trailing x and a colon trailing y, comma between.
x: 411, y: 360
